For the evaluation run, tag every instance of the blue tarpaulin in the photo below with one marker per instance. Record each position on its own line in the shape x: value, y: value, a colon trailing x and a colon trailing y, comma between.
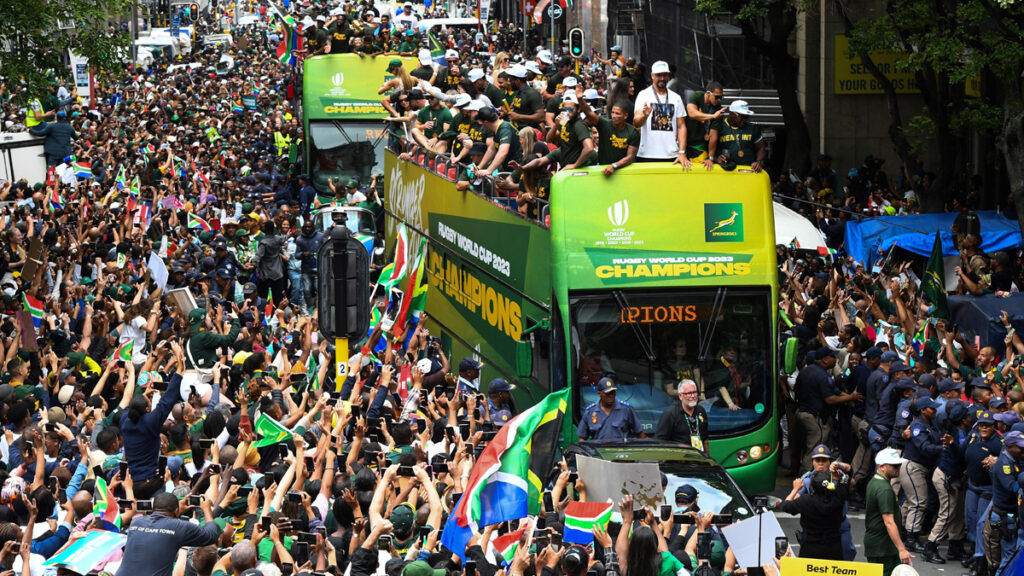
x: 978, y: 316
x: 868, y: 240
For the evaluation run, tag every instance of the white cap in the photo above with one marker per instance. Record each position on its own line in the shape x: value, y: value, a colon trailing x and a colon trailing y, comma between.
x: 451, y: 55
x: 889, y: 456
x: 424, y: 365
x: 533, y: 67
x: 545, y: 56
x: 517, y: 71
x: 570, y: 97
x: 462, y: 99
x: 591, y: 94
x: 425, y: 58
x: 321, y: 18
x: 741, y: 107
x: 475, y: 74
x: 475, y: 105
x: 570, y: 82
x: 65, y: 393
x: 659, y: 67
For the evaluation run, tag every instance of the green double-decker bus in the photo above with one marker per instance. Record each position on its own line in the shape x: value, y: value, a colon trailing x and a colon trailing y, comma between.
x: 342, y: 117
x: 648, y: 277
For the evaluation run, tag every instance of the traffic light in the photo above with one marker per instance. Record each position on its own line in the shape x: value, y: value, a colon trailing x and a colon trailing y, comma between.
x: 577, y: 43
x: 343, y: 283
x: 193, y: 12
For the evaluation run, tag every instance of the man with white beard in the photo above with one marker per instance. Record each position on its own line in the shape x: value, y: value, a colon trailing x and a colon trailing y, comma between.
x: 686, y: 421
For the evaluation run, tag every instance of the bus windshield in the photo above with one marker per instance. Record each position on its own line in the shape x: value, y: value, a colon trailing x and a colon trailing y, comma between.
x: 343, y: 151
x: 648, y: 341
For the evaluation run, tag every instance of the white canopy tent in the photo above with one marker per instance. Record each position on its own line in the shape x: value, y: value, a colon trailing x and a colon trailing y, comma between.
x: 790, y: 226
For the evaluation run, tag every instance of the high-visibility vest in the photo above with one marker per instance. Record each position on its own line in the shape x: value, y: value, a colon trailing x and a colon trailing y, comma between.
x: 30, y: 116
x: 282, y: 142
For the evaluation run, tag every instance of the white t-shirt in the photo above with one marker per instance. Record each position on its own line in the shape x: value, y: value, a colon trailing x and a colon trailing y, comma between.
x: 658, y: 137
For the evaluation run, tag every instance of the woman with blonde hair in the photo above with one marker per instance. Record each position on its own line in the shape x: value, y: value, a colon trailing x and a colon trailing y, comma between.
x: 401, y: 81
x: 500, y: 63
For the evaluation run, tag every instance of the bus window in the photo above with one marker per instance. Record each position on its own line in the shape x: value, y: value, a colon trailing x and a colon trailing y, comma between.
x: 649, y: 341
x: 343, y: 151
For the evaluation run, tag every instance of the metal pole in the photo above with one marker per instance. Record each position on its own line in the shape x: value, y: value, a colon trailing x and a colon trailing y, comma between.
x: 135, y: 35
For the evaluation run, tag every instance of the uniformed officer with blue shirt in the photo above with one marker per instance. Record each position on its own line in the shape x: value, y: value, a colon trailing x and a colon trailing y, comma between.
x: 876, y: 383
x: 608, y: 418
x: 946, y: 479
x: 499, y: 398
x: 888, y: 400
x: 905, y: 412
x: 1003, y: 523
x: 922, y: 452
x: 982, y: 448
x: 469, y: 375
x: 821, y: 461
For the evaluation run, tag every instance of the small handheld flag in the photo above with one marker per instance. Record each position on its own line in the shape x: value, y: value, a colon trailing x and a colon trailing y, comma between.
x: 582, y: 517
x: 197, y: 222
x: 34, y: 307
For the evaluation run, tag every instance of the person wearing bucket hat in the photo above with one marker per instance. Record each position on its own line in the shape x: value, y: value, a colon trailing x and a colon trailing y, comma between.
x: 609, y: 418
x: 736, y: 140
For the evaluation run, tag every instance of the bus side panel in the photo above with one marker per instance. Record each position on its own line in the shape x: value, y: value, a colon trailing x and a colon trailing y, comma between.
x: 486, y: 267
x: 344, y: 86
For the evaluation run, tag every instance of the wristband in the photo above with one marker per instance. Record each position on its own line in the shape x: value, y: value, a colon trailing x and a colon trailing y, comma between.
x: 615, y: 166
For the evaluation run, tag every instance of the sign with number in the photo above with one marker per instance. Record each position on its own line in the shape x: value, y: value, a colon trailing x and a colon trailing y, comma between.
x: 555, y: 11
x: 340, y: 362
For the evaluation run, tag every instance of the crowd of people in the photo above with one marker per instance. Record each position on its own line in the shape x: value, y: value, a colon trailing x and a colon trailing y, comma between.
x: 163, y: 373
x: 211, y: 414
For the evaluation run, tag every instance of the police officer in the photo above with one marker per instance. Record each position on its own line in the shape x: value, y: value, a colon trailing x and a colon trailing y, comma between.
x: 885, y: 418
x: 949, y: 389
x: 980, y: 452
x: 877, y: 382
x: 1002, y: 527
x: 469, y: 375
x: 922, y: 452
x: 821, y: 460
x: 815, y: 394
x: 608, y: 418
x: 904, y: 390
x: 947, y: 480
x: 499, y: 397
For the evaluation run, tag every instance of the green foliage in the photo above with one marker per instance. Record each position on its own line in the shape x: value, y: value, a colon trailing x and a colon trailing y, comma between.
x: 34, y: 48
x: 919, y: 132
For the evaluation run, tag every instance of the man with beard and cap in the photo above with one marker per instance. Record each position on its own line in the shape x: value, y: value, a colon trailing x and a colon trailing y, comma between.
x: 922, y: 452
x: 685, y: 421
x: 660, y: 116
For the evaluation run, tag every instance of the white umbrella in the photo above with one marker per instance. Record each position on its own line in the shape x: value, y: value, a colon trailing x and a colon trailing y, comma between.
x: 790, y: 226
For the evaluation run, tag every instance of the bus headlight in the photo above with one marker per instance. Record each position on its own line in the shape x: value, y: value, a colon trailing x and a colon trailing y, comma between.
x: 755, y: 452
x: 741, y: 456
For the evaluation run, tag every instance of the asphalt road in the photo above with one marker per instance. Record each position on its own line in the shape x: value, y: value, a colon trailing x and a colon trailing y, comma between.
x: 790, y: 524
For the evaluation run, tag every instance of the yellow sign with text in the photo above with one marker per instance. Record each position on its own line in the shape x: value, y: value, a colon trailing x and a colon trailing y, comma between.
x: 853, y: 77
x: 810, y: 566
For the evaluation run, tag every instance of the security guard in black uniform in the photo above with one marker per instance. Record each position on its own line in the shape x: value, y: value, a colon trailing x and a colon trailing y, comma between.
x: 922, y: 452
x: 1003, y: 523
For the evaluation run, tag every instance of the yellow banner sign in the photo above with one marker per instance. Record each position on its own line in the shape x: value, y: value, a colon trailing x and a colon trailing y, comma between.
x: 853, y: 77
x: 810, y: 566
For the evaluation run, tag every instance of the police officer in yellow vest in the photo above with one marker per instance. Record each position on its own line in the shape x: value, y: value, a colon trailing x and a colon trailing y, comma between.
x: 282, y: 142
x: 34, y: 114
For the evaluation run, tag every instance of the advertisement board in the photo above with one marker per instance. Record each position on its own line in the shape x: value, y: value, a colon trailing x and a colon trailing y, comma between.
x: 344, y: 86
x: 852, y: 76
